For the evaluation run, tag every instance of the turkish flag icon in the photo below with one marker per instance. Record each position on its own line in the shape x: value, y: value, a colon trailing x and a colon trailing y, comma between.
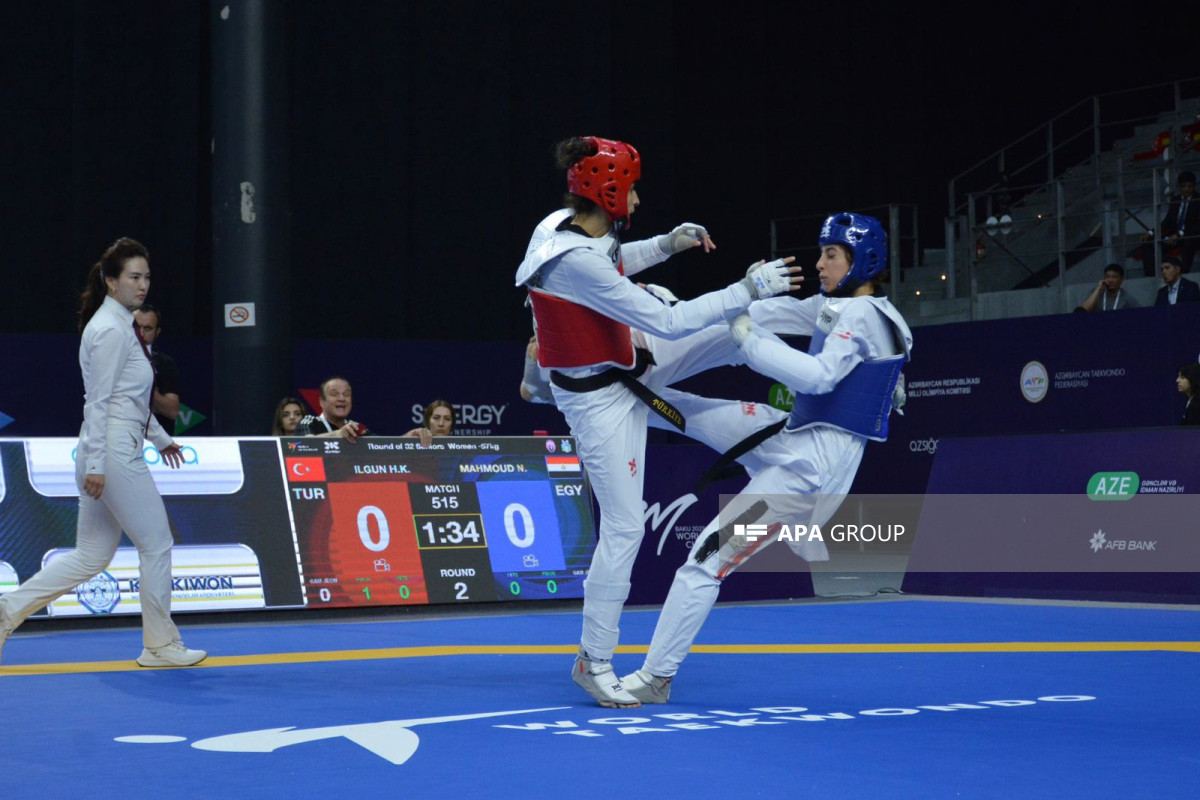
x: 305, y: 469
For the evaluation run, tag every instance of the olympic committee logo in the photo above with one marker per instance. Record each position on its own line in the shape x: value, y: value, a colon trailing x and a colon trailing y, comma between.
x: 1035, y: 381
x: 99, y: 595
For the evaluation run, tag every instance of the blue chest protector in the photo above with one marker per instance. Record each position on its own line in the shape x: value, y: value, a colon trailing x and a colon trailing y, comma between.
x: 860, y: 403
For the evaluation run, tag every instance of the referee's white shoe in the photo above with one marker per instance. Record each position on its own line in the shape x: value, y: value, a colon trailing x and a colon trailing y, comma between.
x: 6, y: 627
x: 646, y: 687
x: 598, y: 679
x: 173, y: 654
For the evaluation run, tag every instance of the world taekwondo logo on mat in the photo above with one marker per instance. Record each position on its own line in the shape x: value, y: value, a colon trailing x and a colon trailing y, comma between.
x: 1035, y: 381
x: 391, y: 740
x: 725, y: 719
x: 394, y: 741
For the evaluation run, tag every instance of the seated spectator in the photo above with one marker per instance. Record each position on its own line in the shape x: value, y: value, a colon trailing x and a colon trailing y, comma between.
x: 164, y: 401
x: 439, y: 421
x: 1181, y: 226
x: 288, y: 414
x: 439, y: 418
x: 334, y: 420
x: 1177, y: 289
x: 1188, y: 384
x: 1109, y: 296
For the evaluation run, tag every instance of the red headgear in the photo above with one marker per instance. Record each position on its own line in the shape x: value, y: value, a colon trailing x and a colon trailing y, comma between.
x: 606, y: 177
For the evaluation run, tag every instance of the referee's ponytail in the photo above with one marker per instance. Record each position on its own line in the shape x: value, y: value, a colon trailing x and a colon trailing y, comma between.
x: 110, y: 265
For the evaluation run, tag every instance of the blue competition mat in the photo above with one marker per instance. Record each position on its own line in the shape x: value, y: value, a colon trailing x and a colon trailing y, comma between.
x: 900, y: 699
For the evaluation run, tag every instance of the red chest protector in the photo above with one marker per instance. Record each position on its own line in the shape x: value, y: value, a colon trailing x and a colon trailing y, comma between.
x: 571, y: 335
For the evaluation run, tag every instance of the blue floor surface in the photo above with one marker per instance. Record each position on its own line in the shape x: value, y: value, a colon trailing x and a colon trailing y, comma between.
x: 786, y: 725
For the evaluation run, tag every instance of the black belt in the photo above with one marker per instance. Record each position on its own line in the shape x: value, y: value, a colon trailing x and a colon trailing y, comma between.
x: 629, y: 377
x: 724, y: 466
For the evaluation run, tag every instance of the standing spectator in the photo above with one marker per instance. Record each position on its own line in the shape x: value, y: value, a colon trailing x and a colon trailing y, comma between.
x: 116, y: 492
x: 166, y: 374
x: 1109, y: 296
x: 1177, y: 289
x: 1188, y: 384
x: 288, y: 414
x: 1181, y: 226
x: 334, y: 420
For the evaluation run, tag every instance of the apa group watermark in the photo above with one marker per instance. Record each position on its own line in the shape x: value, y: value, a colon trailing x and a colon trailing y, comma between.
x: 838, y: 532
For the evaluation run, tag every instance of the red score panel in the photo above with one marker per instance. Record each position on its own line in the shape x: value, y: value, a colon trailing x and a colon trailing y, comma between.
x: 372, y: 546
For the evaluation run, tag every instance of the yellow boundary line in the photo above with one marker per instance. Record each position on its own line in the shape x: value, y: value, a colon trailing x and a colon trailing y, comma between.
x: 266, y: 659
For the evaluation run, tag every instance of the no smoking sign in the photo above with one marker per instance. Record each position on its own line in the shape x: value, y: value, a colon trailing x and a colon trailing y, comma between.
x: 239, y: 315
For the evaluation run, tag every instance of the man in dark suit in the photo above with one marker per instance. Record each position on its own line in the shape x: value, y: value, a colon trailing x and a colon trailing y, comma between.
x: 1180, y: 227
x: 1176, y: 289
x: 165, y: 399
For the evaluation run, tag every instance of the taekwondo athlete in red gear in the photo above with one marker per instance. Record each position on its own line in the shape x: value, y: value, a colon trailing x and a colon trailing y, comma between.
x: 845, y: 387
x: 576, y: 271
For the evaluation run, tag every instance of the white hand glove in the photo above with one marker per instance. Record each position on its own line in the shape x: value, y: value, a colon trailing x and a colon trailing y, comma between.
x: 662, y: 293
x: 683, y: 237
x: 740, y: 327
x: 767, y: 280
x: 899, y: 396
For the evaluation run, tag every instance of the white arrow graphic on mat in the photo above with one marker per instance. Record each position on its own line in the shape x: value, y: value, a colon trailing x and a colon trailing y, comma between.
x: 391, y: 739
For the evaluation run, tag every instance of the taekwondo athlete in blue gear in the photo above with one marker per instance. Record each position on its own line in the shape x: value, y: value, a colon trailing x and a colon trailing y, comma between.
x: 844, y: 390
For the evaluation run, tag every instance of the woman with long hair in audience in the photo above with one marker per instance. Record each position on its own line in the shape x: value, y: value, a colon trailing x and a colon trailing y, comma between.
x: 287, y: 414
x: 116, y: 492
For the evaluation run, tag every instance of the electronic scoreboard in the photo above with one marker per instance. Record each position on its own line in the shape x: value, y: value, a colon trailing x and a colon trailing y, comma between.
x: 388, y: 522
x: 270, y: 523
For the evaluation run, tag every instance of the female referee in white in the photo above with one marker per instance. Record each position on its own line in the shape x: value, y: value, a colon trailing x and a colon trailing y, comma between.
x: 116, y: 490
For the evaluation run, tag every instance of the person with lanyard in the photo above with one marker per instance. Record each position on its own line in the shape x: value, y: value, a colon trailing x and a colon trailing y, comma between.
x: 845, y: 388
x: 1108, y: 295
x: 576, y: 271
x: 117, y: 492
x: 336, y: 399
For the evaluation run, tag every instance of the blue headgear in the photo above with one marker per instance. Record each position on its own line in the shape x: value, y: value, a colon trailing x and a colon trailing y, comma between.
x: 867, y: 241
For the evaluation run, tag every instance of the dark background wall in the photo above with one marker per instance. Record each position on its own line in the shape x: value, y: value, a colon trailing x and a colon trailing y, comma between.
x: 420, y: 146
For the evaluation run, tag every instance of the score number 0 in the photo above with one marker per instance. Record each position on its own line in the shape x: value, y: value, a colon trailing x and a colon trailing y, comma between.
x: 511, y: 512
x: 364, y: 533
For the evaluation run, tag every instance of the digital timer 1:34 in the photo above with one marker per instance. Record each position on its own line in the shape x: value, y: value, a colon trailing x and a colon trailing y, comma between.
x: 449, y: 530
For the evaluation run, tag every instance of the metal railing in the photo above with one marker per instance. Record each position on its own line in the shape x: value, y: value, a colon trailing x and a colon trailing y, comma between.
x: 1066, y: 182
x: 1065, y: 223
x: 1085, y: 130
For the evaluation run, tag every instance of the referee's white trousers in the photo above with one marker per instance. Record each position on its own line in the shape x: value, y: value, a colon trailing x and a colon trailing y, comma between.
x: 130, y: 502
